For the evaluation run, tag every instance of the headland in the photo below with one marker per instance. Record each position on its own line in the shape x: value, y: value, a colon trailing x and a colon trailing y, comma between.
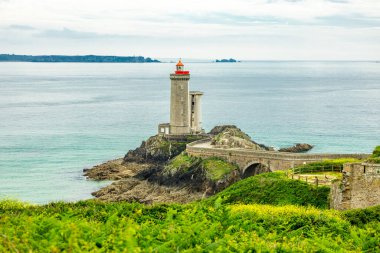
x: 183, y: 163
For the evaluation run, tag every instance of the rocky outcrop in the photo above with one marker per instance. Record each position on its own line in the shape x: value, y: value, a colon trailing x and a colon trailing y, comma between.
x: 298, y: 148
x: 162, y: 185
x: 156, y: 149
x: 143, y: 191
x: 149, y: 174
x: 115, y: 170
x: 229, y: 136
x: 159, y: 149
x: 219, y: 129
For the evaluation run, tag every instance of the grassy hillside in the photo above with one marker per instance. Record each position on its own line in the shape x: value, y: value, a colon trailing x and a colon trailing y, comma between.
x: 264, y: 213
x: 92, y: 226
x: 274, y: 189
x: 214, y: 168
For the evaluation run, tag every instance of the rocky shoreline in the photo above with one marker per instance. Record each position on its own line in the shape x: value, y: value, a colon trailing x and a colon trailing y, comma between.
x: 159, y: 171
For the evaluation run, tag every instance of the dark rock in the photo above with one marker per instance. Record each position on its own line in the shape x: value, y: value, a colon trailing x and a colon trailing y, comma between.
x: 159, y: 149
x: 115, y: 170
x: 219, y: 129
x: 298, y: 148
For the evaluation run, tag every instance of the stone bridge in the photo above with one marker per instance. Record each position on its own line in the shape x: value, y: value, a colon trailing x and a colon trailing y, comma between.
x: 252, y: 162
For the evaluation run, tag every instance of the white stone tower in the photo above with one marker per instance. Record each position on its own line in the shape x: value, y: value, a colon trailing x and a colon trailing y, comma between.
x: 185, y: 106
x: 179, y: 101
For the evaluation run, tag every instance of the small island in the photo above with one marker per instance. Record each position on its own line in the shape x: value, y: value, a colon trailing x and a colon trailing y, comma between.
x: 75, y: 58
x: 226, y: 60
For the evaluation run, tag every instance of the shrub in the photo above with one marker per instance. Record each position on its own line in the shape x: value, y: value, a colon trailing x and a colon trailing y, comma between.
x: 275, y: 189
x: 376, y: 152
x: 93, y: 226
x: 375, y: 157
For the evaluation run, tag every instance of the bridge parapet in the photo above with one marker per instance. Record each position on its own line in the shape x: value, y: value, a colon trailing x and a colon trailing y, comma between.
x: 274, y: 160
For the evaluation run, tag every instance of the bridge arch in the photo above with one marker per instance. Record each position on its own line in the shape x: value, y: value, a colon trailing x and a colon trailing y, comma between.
x: 254, y: 168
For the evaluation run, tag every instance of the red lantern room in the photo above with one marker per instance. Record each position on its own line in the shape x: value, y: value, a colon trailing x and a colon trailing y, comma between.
x: 180, y: 69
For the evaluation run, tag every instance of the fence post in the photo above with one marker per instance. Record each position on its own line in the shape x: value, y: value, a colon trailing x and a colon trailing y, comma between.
x: 316, y: 181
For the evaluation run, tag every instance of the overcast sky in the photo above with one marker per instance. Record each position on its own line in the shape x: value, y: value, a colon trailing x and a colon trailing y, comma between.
x: 206, y: 29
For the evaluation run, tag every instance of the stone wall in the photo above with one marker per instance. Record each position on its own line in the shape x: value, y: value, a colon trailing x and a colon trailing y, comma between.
x: 272, y: 159
x: 359, y: 188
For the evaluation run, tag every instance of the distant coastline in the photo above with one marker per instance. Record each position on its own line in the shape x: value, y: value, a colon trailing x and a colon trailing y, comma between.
x: 226, y: 60
x: 76, y: 58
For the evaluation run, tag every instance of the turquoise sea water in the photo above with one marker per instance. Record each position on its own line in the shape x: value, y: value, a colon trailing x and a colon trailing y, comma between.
x: 56, y: 119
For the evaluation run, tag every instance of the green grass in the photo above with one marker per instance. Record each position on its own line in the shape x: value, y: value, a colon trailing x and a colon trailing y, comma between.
x: 325, y: 165
x: 181, y: 161
x: 275, y: 189
x: 92, y: 226
x: 327, y: 173
x: 217, y: 168
x: 214, y: 167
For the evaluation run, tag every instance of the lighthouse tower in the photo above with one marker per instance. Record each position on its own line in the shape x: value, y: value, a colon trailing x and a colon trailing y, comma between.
x: 179, y: 101
x: 185, y: 105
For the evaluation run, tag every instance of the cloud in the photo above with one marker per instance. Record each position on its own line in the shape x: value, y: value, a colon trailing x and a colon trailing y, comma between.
x: 67, y: 34
x: 242, y: 28
x: 21, y: 27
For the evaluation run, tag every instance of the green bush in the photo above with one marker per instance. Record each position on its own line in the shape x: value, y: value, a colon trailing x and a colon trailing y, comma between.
x: 360, y: 217
x: 376, y: 152
x: 92, y: 226
x: 375, y: 157
x: 275, y: 189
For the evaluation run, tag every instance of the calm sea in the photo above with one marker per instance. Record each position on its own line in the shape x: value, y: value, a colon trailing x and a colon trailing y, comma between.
x: 56, y: 119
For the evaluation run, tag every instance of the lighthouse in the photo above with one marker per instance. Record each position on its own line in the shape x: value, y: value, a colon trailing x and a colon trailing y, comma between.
x: 185, y: 105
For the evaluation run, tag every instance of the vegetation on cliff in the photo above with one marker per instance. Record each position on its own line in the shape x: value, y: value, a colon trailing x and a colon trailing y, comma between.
x: 214, y: 168
x: 217, y: 168
x: 159, y: 149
